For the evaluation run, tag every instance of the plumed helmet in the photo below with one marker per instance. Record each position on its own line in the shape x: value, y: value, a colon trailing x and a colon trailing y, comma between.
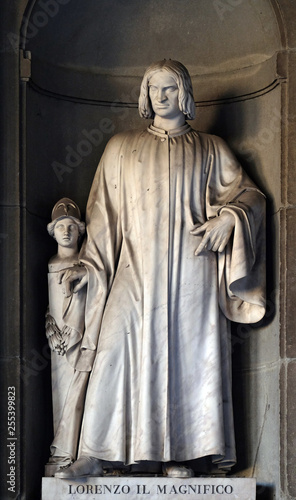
x: 65, y: 208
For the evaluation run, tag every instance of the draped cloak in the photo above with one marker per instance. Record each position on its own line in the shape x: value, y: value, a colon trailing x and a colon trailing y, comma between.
x: 157, y: 316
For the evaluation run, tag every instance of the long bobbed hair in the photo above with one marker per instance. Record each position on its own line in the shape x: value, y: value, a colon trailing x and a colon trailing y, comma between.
x: 182, y: 78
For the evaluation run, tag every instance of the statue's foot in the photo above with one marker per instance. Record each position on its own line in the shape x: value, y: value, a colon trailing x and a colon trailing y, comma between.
x: 174, y: 470
x: 84, y: 466
x: 64, y: 461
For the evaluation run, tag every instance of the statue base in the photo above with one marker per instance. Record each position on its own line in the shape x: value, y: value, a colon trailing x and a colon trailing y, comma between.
x: 151, y: 488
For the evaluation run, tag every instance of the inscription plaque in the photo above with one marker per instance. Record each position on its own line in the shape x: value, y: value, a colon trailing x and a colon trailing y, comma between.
x: 151, y: 488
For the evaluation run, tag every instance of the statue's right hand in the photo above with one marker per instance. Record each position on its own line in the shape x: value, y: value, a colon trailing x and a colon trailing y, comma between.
x: 67, y: 277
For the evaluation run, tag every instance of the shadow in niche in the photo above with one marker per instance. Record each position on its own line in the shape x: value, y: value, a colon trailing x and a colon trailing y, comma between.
x: 35, y: 377
x: 232, y: 123
x: 265, y: 492
x: 240, y: 409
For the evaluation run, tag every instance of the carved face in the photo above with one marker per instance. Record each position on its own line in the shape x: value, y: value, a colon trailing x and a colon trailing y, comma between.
x: 163, y: 93
x: 66, y: 232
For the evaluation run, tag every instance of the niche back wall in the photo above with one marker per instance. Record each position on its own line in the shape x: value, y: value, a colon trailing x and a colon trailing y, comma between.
x: 86, y: 68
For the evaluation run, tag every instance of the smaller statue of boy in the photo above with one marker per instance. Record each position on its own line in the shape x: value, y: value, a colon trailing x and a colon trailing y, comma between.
x: 64, y: 331
x: 66, y: 228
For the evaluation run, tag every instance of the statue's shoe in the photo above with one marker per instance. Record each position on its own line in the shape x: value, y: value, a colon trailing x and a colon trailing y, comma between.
x: 84, y: 466
x: 173, y: 470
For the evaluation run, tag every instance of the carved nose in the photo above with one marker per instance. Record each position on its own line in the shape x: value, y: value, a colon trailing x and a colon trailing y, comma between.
x: 161, y: 95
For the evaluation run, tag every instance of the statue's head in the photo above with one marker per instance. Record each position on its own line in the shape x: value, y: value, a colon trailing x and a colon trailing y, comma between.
x: 66, y: 213
x: 183, y: 81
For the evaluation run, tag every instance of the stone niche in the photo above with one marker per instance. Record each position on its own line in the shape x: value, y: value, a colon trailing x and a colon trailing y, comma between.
x: 82, y: 64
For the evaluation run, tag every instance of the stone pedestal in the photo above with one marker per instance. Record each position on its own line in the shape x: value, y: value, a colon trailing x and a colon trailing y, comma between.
x: 150, y: 488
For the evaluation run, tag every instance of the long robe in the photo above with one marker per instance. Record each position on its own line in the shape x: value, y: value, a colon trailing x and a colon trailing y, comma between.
x: 156, y: 314
x: 68, y: 384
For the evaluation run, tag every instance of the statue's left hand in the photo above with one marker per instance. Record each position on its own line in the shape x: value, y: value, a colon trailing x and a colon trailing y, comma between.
x: 68, y: 276
x: 217, y: 232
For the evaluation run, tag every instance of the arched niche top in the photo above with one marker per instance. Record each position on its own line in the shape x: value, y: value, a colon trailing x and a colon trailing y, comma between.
x: 98, y: 50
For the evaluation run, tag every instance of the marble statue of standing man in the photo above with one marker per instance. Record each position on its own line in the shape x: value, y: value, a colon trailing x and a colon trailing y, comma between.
x: 174, y: 251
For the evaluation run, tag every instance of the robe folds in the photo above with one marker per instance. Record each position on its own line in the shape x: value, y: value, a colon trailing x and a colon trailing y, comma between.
x: 157, y: 316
